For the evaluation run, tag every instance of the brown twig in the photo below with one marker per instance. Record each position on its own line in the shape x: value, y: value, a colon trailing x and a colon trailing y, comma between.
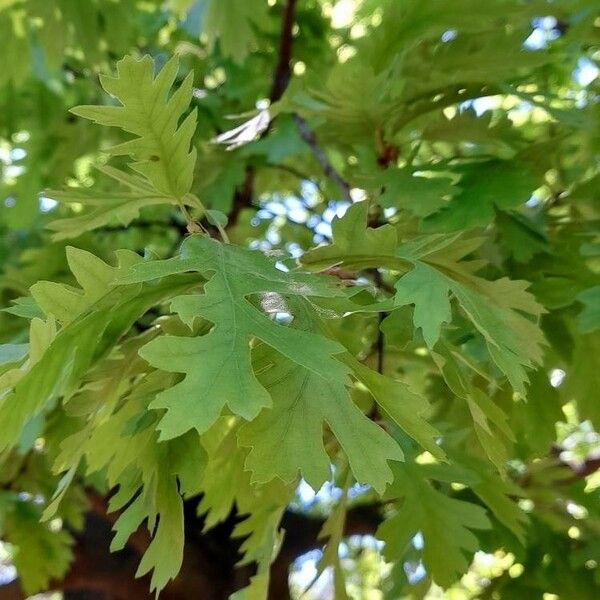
x: 310, y: 139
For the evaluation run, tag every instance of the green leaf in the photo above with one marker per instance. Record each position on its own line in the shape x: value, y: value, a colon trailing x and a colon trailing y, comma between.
x: 150, y: 475
x: 445, y: 523
x: 233, y: 25
x: 59, y: 362
x: 486, y: 130
x: 421, y: 195
x: 107, y: 208
x: 500, y: 496
x: 429, y: 294
x: 225, y: 376
x: 522, y: 237
x: 354, y: 244
x: 220, y: 174
x: 226, y: 484
x: 506, y: 185
x: 41, y: 335
x: 398, y: 327
x: 42, y: 554
x: 161, y: 147
x: 406, y: 408
x: 26, y: 308
x: 288, y: 437
x: 93, y: 275
x: 582, y: 378
x: 262, y: 542
x: 333, y: 532
x: 489, y: 420
x: 165, y: 553
x: 589, y: 317
x: 491, y: 427
x: 497, y: 309
x: 271, y: 540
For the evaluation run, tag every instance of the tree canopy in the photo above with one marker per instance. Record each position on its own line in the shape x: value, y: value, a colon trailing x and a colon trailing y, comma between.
x: 255, y: 249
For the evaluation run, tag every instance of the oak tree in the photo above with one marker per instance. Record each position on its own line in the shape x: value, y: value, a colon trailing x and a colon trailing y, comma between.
x: 254, y: 250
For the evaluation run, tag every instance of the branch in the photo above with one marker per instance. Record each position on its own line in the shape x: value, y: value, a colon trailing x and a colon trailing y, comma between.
x: 209, y: 568
x: 283, y: 70
x: 281, y: 78
x: 311, y: 140
x: 12, y: 591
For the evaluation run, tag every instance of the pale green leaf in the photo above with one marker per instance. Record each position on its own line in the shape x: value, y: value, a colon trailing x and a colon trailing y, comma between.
x: 445, y: 523
x: 161, y: 148
x: 218, y: 365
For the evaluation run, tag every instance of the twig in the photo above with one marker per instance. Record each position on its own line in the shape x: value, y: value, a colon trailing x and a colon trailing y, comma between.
x: 379, y: 345
x: 310, y: 139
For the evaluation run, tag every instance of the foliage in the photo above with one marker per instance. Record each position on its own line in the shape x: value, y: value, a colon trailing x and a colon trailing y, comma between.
x: 384, y: 280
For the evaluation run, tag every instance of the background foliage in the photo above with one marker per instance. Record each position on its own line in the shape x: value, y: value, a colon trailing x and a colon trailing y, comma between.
x: 289, y: 246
